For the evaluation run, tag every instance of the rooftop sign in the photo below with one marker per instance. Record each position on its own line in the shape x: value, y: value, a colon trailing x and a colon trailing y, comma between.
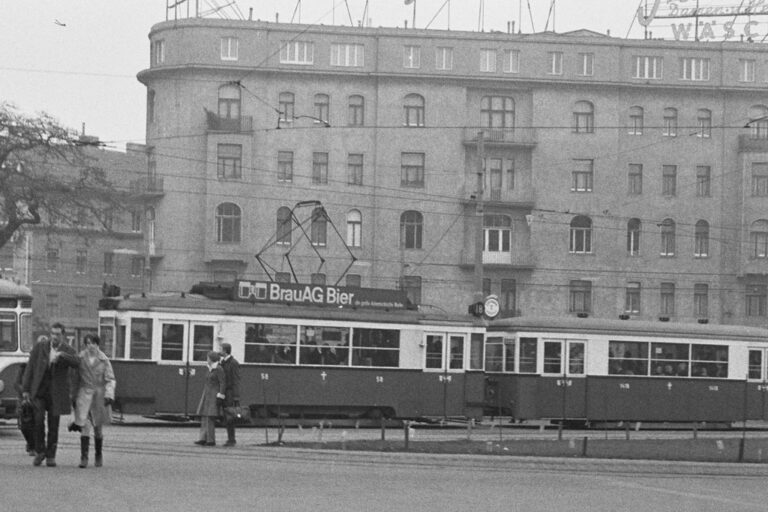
x: 318, y: 295
x: 709, y: 29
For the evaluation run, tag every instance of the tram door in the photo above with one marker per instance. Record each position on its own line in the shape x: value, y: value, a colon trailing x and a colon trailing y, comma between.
x: 757, y: 385
x: 445, y: 361
x: 184, y: 346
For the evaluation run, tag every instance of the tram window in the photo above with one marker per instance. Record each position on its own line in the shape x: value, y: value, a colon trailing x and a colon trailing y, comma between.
x: 26, y: 333
x: 553, y: 357
x: 456, y: 353
x: 476, y: 351
x: 509, y: 354
x: 323, y: 345
x: 627, y: 358
x: 670, y: 359
x: 709, y: 361
x: 494, y: 354
x: 756, y: 364
x: 202, y: 342
x: 376, y: 347
x: 528, y: 354
x: 172, y: 343
x: 120, y: 342
x: 576, y: 357
x: 141, y: 338
x: 8, y: 342
x: 270, y: 343
x: 434, y: 351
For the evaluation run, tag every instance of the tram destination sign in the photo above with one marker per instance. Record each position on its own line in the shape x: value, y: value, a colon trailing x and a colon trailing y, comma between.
x: 320, y: 295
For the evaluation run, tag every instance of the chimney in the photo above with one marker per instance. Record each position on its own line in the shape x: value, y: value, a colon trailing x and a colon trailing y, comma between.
x: 277, y: 17
x: 250, y: 14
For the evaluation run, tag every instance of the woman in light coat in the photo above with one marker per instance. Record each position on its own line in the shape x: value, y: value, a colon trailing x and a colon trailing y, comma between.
x: 95, y: 395
x: 212, y: 401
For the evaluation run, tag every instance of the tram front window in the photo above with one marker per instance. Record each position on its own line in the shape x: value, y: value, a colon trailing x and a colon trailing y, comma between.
x: 8, y: 341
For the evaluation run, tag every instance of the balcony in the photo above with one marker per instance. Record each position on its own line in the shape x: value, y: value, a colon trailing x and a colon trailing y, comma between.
x: 147, y: 187
x: 216, y: 123
x: 519, y: 197
x: 520, y: 258
x: 501, y: 137
x: 750, y: 144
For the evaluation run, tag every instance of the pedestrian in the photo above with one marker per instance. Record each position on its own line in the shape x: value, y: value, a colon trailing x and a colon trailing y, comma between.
x: 95, y: 395
x: 231, y: 367
x: 212, y: 401
x: 46, y: 385
x: 26, y: 412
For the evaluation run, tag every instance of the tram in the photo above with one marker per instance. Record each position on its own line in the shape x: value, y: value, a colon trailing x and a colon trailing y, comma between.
x: 15, y: 341
x: 306, y: 352
x: 596, y: 370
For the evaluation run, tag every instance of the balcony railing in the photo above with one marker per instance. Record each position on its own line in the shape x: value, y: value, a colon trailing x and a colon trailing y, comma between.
x: 147, y: 186
x: 216, y: 123
x: 504, y: 136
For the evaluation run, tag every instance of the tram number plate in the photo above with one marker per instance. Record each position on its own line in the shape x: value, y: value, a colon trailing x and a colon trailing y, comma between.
x: 624, y: 385
x: 445, y: 378
x: 264, y: 376
x: 379, y: 379
x: 714, y: 388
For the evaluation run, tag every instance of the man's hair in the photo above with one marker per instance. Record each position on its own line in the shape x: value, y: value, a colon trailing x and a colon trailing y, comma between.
x: 58, y: 325
x: 226, y: 348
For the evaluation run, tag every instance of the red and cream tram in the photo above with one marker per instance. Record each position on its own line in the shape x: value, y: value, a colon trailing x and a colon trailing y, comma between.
x: 15, y: 340
x: 594, y: 370
x: 306, y: 351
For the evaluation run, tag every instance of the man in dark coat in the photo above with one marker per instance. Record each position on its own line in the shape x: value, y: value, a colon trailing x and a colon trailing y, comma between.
x: 46, y: 384
x: 231, y: 368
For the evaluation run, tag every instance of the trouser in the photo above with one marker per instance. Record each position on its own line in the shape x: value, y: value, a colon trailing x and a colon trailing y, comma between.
x: 43, y: 407
x: 29, y: 437
x: 97, y: 432
x: 230, y: 425
x: 208, y: 429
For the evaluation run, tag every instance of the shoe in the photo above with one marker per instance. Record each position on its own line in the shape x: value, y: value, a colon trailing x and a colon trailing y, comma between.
x: 51, y: 463
x: 39, y: 458
x: 210, y: 444
x: 31, y: 452
x: 200, y: 442
x: 230, y: 443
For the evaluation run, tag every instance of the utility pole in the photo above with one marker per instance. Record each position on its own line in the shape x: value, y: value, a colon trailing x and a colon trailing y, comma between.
x: 479, y: 214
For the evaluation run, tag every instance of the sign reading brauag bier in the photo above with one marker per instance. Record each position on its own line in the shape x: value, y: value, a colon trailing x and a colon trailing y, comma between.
x: 311, y: 294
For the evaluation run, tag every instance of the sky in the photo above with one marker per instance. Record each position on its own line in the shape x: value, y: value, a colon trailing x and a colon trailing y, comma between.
x: 77, y: 60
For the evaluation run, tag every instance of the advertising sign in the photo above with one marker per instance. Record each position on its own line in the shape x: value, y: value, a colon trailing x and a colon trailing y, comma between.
x: 320, y: 295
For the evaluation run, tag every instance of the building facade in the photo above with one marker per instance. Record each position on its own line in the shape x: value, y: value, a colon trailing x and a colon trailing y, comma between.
x: 590, y: 175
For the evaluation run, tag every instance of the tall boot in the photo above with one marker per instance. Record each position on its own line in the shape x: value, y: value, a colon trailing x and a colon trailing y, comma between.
x: 97, y: 444
x: 84, y: 442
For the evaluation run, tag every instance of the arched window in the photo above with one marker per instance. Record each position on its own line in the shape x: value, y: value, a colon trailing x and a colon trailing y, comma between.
x: 758, y: 238
x: 498, y: 233
x: 583, y: 117
x: 670, y: 122
x: 758, y: 122
x: 633, y: 237
x: 635, y: 121
x: 286, y: 103
x: 704, y: 121
x: 414, y: 110
x: 498, y: 112
x: 356, y: 110
x: 411, y: 226
x: 319, y: 227
x: 667, y: 237
x: 354, y: 228
x: 701, y: 239
x: 228, y: 220
x: 581, y: 235
x: 322, y: 106
x: 284, y: 226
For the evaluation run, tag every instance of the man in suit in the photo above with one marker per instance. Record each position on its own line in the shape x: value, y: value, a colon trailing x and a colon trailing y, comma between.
x: 46, y: 384
x: 231, y: 368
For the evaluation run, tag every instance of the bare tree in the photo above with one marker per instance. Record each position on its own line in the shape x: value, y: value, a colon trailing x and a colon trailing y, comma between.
x: 48, y: 177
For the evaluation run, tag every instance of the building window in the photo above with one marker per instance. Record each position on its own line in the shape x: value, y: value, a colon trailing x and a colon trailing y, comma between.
x: 511, y: 61
x: 150, y: 105
x: 703, y: 180
x: 412, y: 57
x: 510, y: 174
x: 297, y: 52
x: 498, y: 112
x: 355, y: 169
x: 228, y: 219
x: 635, y: 121
x: 81, y: 261
x: 667, y: 299
x: 704, y: 120
x: 347, y: 55
x: 757, y: 296
x: 670, y: 122
x: 635, y: 179
x: 80, y: 306
x: 52, y: 304
x: 444, y: 58
x: 353, y: 280
x: 586, y: 64
x: 667, y: 237
x: 648, y: 67
x: 555, y: 63
x: 411, y: 285
x: 758, y: 122
x: 317, y: 279
x: 493, y: 168
x: 411, y: 229
x: 508, y: 297
x: 580, y: 297
x: 583, y: 117
x: 488, y: 60
x: 633, y: 237
x: 746, y: 70
x: 159, y: 51
x: 137, y: 265
x: 497, y: 233
x: 414, y: 110
x: 52, y: 259
x: 286, y: 105
x: 228, y: 109
x: 230, y: 161
x: 412, y: 169
x: 285, y: 166
x: 581, y: 235
x: 319, y: 168
x: 582, y: 175
x: 229, y: 46
x: 701, y: 239
x: 758, y: 238
x: 694, y: 68
x: 284, y: 226
x: 109, y: 263
x: 668, y: 180
x: 354, y: 228
x: 319, y: 227
x: 356, y: 110
x: 701, y: 300
x: 136, y: 221
x: 760, y: 179
x: 322, y: 107
x: 632, y: 298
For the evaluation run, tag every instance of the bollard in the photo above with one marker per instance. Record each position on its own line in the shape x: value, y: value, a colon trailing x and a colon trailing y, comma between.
x: 584, y: 447
x: 407, y: 432
x: 469, y: 428
x: 320, y: 433
x: 383, y: 429
x: 343, y: 439
x: 626, y: 431
x: 695, y: 431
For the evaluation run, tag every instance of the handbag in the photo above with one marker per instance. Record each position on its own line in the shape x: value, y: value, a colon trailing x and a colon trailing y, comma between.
x: 237, y: 414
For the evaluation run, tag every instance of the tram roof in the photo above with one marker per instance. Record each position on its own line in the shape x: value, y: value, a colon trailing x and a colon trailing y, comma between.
x: 10, y: 288
x: 568, y: 324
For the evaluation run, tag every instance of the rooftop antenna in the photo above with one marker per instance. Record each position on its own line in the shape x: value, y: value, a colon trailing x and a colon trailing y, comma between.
x: 551, y: 14
x: 409, y: 2
x: 530, y: 13
x: 447, y: 2
x: 297, y: 8
x: 481, y: 16
x: 365, y: 15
